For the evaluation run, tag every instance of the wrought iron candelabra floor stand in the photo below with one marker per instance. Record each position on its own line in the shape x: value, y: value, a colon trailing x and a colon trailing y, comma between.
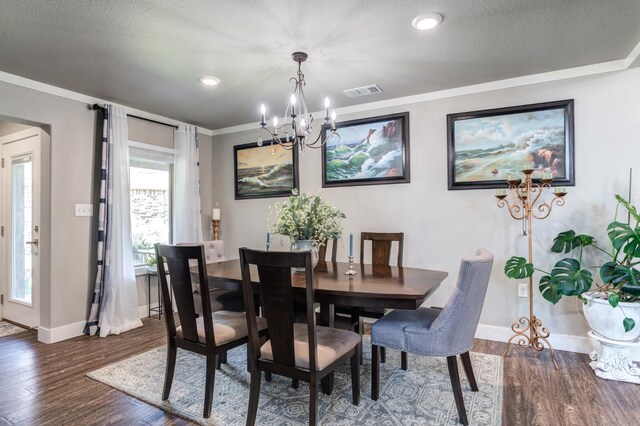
x: 529, y: 331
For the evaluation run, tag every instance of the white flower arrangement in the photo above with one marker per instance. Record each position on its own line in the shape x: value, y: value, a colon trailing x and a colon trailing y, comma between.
x: 307, y: 217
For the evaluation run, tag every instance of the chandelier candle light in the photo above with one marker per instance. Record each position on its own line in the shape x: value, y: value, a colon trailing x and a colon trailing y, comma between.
x: 526, y: 205
x: 295, y: 132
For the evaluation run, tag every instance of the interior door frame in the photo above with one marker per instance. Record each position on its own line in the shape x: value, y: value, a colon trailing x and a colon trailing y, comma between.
x: 42, y: 247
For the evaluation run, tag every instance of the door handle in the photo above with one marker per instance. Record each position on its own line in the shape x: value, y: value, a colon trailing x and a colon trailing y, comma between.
x: 34, y: 242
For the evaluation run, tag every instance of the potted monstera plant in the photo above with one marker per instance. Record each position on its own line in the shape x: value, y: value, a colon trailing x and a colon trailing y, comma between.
x: 606, y: 281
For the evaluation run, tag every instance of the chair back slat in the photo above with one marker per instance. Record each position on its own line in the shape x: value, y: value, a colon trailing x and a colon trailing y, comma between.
x: 322, y: 251
x: 180, y: 281
x: 277, y: 297
x: 381, y: 246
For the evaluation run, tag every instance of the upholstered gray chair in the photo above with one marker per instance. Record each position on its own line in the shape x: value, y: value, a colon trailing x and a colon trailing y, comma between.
x: 439, y: 332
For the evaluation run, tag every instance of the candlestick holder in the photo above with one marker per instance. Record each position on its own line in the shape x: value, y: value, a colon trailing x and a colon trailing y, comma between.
x: 216, y: 229
x: 350, y: 271
x: 526, y: 204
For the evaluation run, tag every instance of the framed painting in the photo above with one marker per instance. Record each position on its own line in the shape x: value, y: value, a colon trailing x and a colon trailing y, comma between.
x: 370, y: 151
x: 264, y: 171
x: 485, y: 147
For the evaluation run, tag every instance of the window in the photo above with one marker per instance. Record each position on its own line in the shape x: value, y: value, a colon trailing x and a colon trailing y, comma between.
x: 151, y: 180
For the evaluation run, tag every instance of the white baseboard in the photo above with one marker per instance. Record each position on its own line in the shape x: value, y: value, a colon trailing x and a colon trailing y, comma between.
x: 562, y: 342
x: 58, y: 334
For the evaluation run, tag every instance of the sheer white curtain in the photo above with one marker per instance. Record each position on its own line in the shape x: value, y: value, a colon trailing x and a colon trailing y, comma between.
x: 187, y: 217
x: 119, y: 310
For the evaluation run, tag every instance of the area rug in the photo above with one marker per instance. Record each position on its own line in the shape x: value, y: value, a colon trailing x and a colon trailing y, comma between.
x: 7, y: 329
x: 420, y: 396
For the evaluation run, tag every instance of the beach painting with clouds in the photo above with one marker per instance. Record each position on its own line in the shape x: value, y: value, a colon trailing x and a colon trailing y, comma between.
x: 264, y: 171
x: 485, y: 147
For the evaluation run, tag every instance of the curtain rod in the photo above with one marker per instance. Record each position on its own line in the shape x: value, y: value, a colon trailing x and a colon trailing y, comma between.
x: 96, y: 106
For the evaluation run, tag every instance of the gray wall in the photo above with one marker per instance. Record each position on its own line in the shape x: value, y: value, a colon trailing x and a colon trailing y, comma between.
x: 441, y: 226
x: 72, y: 127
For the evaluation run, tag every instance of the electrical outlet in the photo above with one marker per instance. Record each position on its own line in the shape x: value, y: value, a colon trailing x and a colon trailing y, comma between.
x: 84, y: 210
x: 523, y: 290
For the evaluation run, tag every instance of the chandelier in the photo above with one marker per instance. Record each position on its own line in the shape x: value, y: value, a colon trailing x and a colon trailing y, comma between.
x: 297, y: 126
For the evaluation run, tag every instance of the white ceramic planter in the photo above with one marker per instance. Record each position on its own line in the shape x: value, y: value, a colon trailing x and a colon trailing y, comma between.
x: 607, y: 321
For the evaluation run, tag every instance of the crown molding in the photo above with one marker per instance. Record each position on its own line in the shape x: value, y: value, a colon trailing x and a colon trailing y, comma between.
x: 565, y: 74
x: 16, y: 80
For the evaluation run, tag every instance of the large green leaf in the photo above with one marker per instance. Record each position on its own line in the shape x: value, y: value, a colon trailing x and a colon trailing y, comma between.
x: 568, y: 240
x: 518, y: 268
x: 548, y: 290
x: 629, y: 207
x: 569, y: 277
x: 625, y: 277
x: 625, y: 238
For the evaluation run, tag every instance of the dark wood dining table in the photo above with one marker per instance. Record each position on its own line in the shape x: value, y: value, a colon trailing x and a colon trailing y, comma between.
x: 374, y: 286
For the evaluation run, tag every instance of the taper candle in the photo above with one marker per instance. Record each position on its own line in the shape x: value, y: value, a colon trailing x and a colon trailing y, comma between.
x: 351, y: 244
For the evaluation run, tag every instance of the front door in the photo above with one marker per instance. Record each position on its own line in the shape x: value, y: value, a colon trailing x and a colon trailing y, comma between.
x: 20, y: 227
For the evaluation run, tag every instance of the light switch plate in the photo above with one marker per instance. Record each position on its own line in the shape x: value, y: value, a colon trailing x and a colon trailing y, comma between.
x: 84, y: 210
x: 523, y: 290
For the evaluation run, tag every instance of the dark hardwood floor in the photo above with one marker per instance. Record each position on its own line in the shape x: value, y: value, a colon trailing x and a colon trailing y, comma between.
x: 46, y: 385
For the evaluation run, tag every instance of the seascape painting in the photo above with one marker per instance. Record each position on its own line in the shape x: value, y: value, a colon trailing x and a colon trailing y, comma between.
x: 486, y: 147
x: 369, y: 151
x: 264, y: 171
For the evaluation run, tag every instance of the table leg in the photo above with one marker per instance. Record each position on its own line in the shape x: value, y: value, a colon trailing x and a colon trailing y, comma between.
x: 160, y: 304
x: 148, y: 295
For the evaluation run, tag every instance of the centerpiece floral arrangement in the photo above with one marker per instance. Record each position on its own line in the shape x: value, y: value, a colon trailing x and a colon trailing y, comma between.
x: 307, y: 217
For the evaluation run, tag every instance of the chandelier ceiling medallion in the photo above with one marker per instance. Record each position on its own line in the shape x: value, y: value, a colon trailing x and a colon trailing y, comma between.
x: 297, y: 126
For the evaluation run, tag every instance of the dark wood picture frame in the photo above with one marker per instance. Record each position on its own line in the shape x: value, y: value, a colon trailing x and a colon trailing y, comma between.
x: 403, y: 176
x: 568, y: 159
x: 264, y: 193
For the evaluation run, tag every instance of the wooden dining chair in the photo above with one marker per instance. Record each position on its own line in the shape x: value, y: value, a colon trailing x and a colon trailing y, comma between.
x: 439, y: 332
x: 299, y: 351
x: 322, y: 251
x: 209, y: 334
x: 381, y: 244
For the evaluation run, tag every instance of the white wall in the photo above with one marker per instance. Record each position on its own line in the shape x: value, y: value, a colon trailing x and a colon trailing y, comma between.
x: 441, y: 226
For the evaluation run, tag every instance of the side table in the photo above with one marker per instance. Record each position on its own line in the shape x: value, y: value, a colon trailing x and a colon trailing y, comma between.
x: 153, y: 272
x: 612, y: 360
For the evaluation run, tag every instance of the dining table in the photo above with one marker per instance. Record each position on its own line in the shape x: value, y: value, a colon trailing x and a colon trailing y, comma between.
x: 373, y: 286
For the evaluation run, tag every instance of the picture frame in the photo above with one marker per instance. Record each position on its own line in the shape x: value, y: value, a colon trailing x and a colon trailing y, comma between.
x: 485, y: 147
x: 370, y: 151
x: 266, y: 171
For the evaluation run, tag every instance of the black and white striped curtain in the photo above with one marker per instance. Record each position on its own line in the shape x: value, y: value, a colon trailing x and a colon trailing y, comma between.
x: 91, y: 327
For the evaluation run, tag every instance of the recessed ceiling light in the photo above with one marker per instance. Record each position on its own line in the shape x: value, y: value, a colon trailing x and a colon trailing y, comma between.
x: 210, y: 80
x: 427, y: 21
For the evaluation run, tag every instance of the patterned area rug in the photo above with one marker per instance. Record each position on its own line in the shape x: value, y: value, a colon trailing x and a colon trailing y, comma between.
x: 420, y: 396
x: 7, y: 329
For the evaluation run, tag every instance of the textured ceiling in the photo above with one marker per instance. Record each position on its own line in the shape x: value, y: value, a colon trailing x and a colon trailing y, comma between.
x: 150, y: 54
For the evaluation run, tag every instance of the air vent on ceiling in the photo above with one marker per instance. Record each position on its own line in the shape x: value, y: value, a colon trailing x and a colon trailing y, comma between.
x: 371, y: 89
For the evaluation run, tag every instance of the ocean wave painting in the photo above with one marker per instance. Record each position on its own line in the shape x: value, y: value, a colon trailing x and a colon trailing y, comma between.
x: 265, y: 171
x: 368, y: 151
x: 489, y: 148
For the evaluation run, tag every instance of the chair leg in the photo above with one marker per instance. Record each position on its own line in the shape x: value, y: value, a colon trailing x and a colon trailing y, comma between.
x: 383, y: 354
x: 404, y: 363
x: 254, y: 396
x: 452, y: 363
x: 313, y: 402
x: 172, y: 351
x: 355, y: 377
x: 267, y: 376
x: 295, y: 383
x: 224, y: 357
x: 219, y: 362
x: 468, y: 371
x: 375, y: 372
x: 209, y: 382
